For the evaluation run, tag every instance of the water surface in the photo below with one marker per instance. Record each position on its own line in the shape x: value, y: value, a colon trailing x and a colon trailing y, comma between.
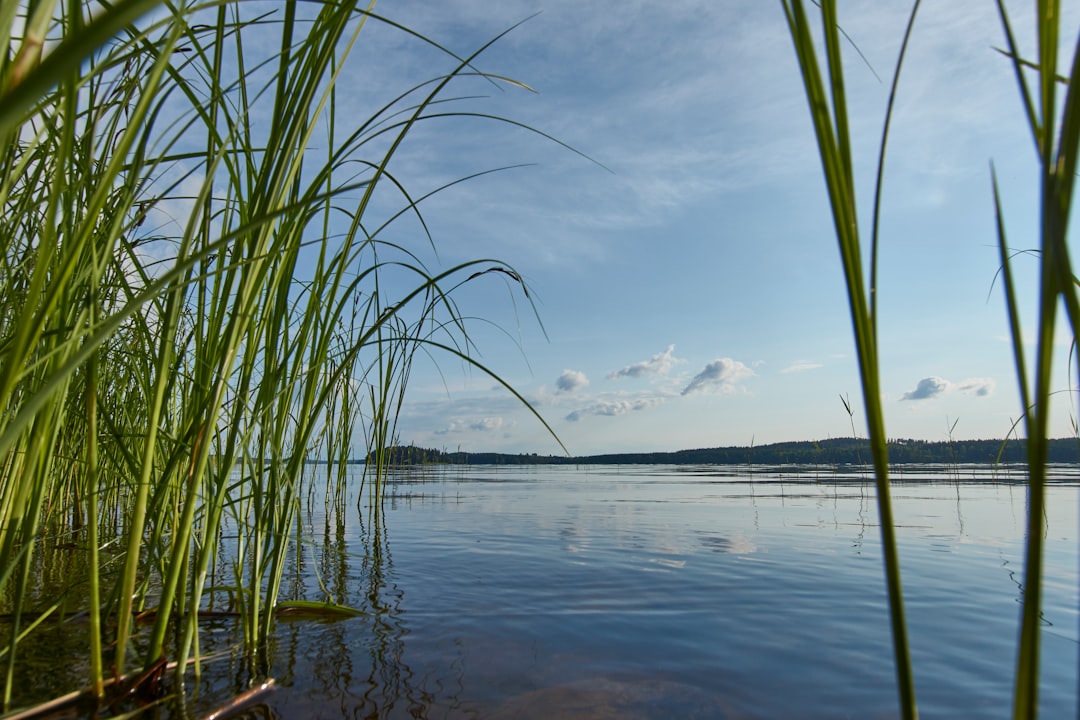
x: 659, y: 592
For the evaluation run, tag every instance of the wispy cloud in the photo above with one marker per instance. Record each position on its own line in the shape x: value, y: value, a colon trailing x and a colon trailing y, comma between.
x: 722, y: 374
x: 612, y: 408
x: 571, y: 380
x: 933, y: 386
x: 801, y: 366
x: 982, y: 387
x: 658, y: 364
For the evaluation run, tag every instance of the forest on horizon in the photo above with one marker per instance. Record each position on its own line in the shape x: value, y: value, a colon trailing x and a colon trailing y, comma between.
x: 834, y: 451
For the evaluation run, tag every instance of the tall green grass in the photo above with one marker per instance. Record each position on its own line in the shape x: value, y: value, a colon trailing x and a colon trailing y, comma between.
x: 196, y: 298
x: 1056, y: 133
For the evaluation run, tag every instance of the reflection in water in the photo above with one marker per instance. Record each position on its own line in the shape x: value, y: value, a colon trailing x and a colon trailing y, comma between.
x: 1017, y: 578
x: 54, y: 663
x: 735, y: 545
x: 390, y: 679
x: 527, y: 597
x: 356, y: 667
x: 863, y: 510
x: 959, y: 513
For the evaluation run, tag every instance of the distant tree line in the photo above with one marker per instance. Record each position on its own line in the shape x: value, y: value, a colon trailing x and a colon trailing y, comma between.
x: 835, y: 451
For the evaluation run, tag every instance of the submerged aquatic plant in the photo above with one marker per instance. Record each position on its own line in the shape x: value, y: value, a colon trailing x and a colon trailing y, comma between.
x: 196, y: 296
x: 1057, y: 139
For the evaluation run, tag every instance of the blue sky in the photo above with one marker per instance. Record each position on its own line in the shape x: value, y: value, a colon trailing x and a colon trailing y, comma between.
x: 687, y: 284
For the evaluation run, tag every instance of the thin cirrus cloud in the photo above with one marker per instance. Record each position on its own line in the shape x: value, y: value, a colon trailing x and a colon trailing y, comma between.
x: 658, y: 364
x: 571, y: 380
x: 722, y: 374
x: 933, y: 386
x: 801, y: 366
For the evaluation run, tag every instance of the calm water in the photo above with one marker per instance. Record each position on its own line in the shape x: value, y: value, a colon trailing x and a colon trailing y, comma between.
x: 660, y: 592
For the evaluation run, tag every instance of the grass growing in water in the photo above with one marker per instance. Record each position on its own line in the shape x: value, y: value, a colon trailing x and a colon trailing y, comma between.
x: 1057, y: 138
x: 161, y: 390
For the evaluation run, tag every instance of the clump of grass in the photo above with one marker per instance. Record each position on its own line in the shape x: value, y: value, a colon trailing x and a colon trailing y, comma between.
x: 162, y: 384
x: 1056, y: 133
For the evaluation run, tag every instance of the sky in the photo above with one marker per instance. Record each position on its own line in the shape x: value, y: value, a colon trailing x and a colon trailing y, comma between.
x: 670, y: 221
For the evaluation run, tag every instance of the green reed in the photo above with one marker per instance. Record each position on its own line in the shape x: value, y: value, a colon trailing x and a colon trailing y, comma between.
x: 1056, y: 141
x: 828, y: 106
x: 163, y: 382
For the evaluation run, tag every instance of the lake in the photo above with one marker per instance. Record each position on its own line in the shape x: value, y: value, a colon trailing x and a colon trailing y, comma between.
x: 664, y: 592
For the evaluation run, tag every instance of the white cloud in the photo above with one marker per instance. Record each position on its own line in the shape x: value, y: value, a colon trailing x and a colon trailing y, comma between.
x: 933, y: 386
x: 611, y: 408
x: 722, y: 373
x: 571, y: 380
x: 927, y: 388
x: 801, y: 366
x: 487, y: 424
x: 484, y: 424
x: 982, y: 387
x: 658, y: 364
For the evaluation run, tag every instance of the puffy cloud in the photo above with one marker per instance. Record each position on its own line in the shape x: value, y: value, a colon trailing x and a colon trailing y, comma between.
x: 933, y: 386
x: 484, y: 424
x: 656, y: 365
x: 487, y: 424
x: 927, y: 388
x: 571, y: 380
x: 723, y: 373
x: 612, y: 408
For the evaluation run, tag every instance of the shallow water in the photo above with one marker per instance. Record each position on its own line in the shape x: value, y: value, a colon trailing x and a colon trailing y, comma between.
x: 662, y: 592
